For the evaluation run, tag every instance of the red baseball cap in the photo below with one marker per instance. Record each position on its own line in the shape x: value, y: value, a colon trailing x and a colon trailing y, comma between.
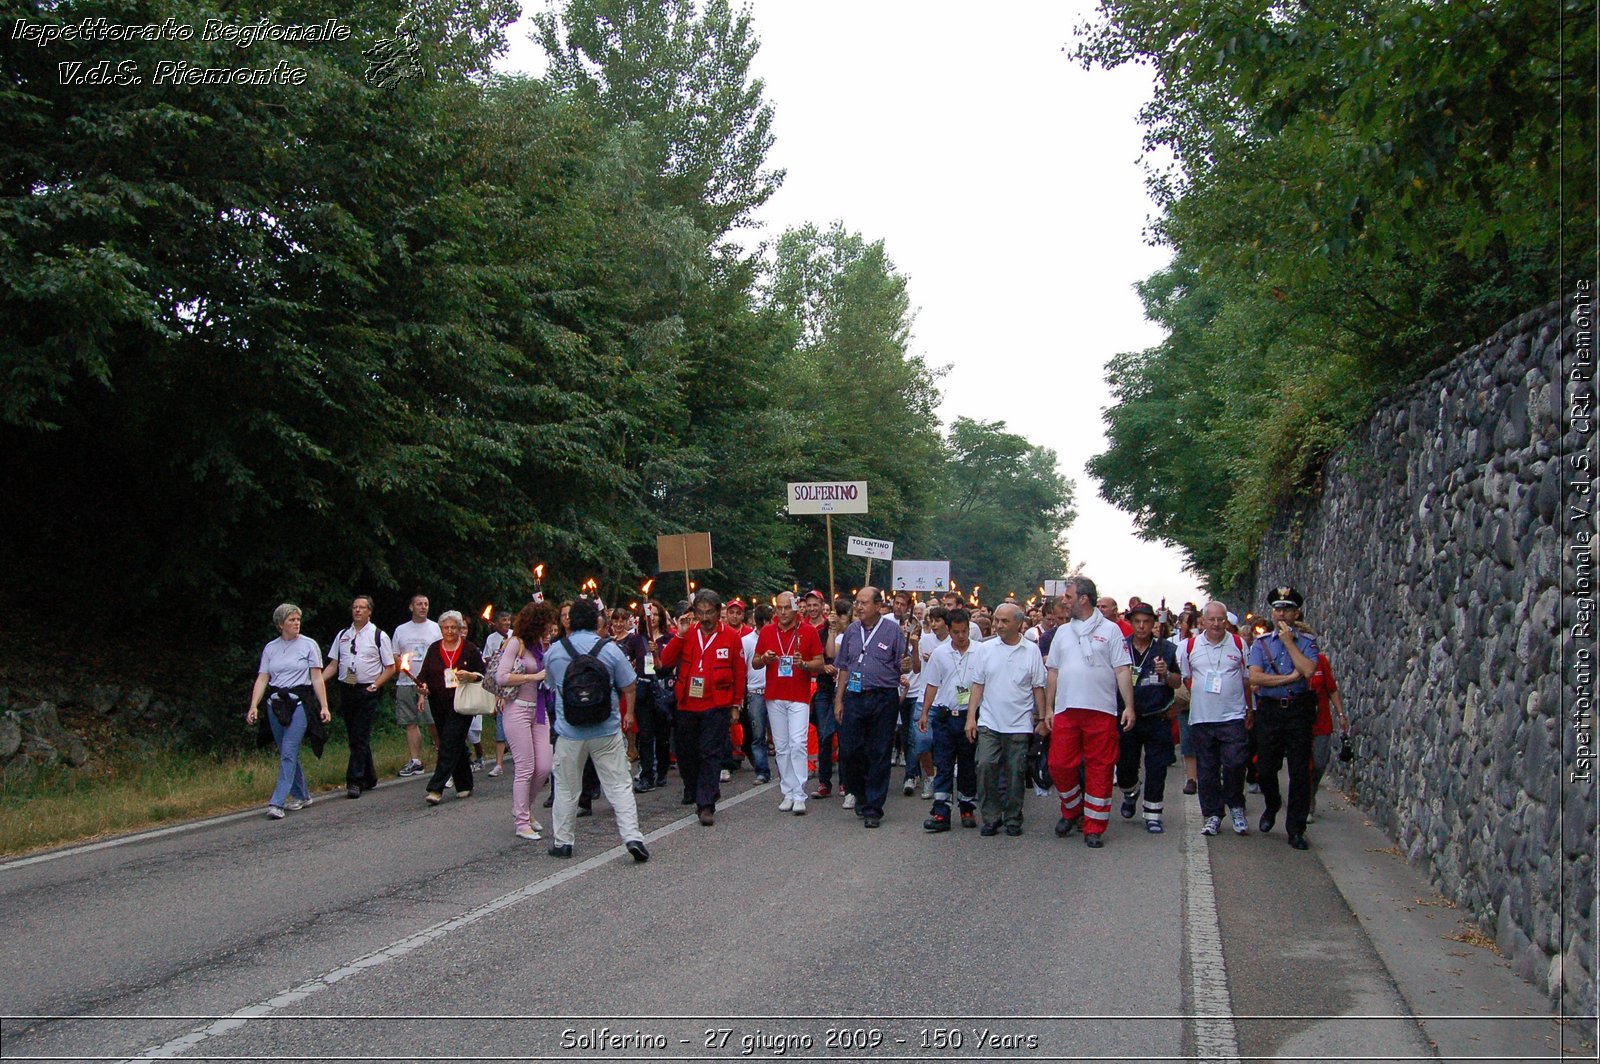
x: 736, y: 602
x: 815, y: 593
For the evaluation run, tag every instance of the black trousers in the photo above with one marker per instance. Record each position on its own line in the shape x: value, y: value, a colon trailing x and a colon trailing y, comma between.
x: 455, y: 759
x: 358, y: 706
x: 653, y: 709
x: 700, y: 736
x: 866, y: 743
x: 1283, y: 729
x: 1150, y: 736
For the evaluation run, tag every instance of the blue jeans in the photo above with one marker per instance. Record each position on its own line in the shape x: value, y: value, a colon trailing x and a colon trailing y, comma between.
x: 915, y: 743
x: 827, y: 728
x: 866, y: 740
x: 953, y: 758
x: 754, y: 719
x: 291, y: 777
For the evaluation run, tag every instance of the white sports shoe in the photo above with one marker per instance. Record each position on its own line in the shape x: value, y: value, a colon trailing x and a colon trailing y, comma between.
x: 786, y: 805
x: 1213, y: 825
x: 849, y: 801
x: 927, y: 789
x: 800, y: 807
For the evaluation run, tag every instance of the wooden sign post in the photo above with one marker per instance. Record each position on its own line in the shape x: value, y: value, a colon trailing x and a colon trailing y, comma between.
x: 691, y: 550
x: 829, y: 498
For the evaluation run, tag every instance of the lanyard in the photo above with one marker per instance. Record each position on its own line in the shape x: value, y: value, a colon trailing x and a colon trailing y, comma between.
x: 794, y: 640
x: 866, y: 641
x: 700, y: 637
x: 449, y: 659
x: 1217, y: 651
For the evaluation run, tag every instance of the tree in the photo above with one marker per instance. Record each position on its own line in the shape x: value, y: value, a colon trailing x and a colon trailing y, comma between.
x: 1002, y: 511
x: 1356, y: 192
x: 682, y: 79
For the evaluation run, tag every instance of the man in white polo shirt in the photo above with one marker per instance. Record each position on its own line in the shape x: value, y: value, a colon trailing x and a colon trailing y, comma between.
x: 1088, y: 666
x: 362, y: 660
x: 1215, y: 666
x: 1007, y: 705
x: 411, y: 642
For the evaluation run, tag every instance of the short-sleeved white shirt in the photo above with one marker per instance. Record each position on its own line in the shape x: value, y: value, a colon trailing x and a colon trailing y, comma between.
x: 1227, y: 660
x: 925, y: 648
x: 1009, y: 675
x: 755, y: 680
x: 361, y: 655
x: 415, y: 639
x: 949, y: 670
x: 288, y: 663
x: 1085, y: 655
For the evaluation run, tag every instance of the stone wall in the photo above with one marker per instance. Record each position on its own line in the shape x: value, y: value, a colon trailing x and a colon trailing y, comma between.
x: 1430, y: 560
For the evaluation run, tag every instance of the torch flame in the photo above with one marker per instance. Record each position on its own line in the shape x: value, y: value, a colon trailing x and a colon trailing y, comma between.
x: 488, y: 611
x: 538, y: 571
x: 648, y: 584
x: 405, y: 664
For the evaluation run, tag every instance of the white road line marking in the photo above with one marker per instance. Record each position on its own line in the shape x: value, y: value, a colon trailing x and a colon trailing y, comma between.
x: 1215, y: 1037
x: 401, y: 947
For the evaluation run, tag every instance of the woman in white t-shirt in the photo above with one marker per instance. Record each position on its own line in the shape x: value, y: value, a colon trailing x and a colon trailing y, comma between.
x: 291, y: 671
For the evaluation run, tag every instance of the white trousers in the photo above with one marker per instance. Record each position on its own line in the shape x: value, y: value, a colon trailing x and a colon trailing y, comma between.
x: 789, y: 723
x: 610, y: 754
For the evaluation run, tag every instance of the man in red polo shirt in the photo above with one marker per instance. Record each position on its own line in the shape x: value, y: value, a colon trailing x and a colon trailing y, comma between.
x: 791, y: 653
x: 711, y: 679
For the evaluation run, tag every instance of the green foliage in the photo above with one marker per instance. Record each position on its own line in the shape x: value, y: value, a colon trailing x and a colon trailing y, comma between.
x: 1355, y: 192
x: 292, y: 343
x: 1001, y: 511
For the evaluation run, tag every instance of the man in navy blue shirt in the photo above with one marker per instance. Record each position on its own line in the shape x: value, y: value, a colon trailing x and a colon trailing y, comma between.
x: 1281, y: 665
x: 867, y: 703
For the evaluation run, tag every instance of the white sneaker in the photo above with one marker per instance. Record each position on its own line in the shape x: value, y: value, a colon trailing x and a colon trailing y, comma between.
x: 910, y: 788
x: 411, y: 768
x: 726, y: 776
x: 295, y: 803
x: 1213, y: 825
x: 274, y: 812
x: 448, y: 784
x: 1240, y: 825
x: 849, y: 801
x: 538, y: 826
x: 531, y: 834
x: 786, y: 805
x: 927, y: 789
x: 800, y: 807
x: 496, y: 770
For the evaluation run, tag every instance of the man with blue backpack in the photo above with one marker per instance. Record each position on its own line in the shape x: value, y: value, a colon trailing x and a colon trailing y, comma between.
x: 594, y: 687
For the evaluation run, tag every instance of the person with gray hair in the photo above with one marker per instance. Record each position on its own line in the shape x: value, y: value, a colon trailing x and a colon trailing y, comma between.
x: 1089, y: 668
x: 290, y: 675
x: 1215, y: 666
x: 1006, y: 708
x: 448, y: 664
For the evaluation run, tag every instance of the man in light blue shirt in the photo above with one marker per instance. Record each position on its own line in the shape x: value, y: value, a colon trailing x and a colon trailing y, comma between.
x: 603, y: 742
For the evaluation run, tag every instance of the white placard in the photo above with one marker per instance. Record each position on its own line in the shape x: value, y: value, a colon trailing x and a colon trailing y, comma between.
x: 921, y: 576
x: 829, y: 497
x: 882, y: 549
x: 1055, y: 588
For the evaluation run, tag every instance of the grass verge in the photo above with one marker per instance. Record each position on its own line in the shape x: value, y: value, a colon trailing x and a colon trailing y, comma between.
x: 61, y: 805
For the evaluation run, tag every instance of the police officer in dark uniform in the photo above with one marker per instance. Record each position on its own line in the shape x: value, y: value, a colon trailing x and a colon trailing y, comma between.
x: 1281, y: 664
x: 1155, y: 676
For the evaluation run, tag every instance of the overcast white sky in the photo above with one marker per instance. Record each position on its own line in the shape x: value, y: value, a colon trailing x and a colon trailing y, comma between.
x: 1005, y: 181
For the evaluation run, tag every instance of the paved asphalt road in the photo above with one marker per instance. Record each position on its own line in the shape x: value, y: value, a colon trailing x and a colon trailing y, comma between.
x: 385, y: 929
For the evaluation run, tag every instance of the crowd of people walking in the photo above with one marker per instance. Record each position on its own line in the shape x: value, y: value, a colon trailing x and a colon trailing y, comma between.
x: 979, y: 705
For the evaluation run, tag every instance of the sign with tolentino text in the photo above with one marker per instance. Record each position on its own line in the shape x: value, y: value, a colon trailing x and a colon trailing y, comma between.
x: 829, y: 497
x: 920, y: 576
x: 882, y: 549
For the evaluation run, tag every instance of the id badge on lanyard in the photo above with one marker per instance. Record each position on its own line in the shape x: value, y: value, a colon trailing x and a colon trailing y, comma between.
x: 854, y: 685
x: 697, y: 687
x: 785, y: 666
x: 1213, y: 682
